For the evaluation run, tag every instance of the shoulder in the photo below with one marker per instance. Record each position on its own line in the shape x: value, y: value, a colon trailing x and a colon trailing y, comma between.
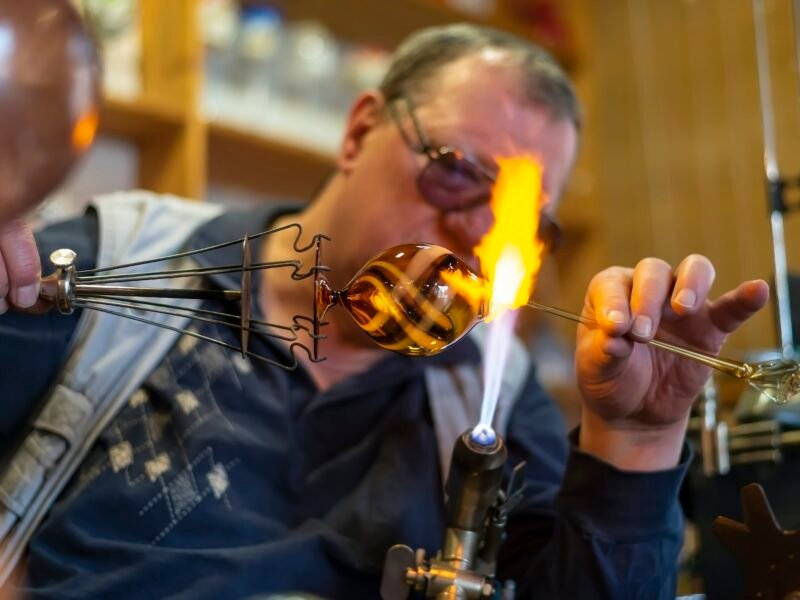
x: 143, y: 210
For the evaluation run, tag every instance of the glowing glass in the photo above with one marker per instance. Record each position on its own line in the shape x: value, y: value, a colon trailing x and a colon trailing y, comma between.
x: 418, y: 299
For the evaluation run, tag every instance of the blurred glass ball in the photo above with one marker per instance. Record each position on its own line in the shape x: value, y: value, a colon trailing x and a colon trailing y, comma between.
x: 49, y: 94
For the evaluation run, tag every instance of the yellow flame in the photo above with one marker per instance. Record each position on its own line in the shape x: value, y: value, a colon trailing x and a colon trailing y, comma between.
x: 468, y: 286
x: 510, y: 253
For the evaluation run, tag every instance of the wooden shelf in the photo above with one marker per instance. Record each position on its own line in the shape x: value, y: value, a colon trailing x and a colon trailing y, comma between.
x: 236, y: 156
x: 242, y: 159
x: 179, y: 152
x: 137, y: 119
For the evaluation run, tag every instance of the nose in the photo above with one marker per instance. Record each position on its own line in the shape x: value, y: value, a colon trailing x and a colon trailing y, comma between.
x: 467, y: 227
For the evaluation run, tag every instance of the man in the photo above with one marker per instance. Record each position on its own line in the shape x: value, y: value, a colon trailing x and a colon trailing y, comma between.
x: 219, y: 478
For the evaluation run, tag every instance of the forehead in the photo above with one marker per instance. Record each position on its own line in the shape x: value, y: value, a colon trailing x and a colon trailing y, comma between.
x: 476, y: 99
x: 474, y: 104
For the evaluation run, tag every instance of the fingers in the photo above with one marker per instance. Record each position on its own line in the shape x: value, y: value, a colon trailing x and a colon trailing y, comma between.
x: 693, y: 280
x: 608, y: 303
x: 657, y: 291
x: 608, y: 299
x: 652, y: 282
x: 20, y: 269
x: 730, y: 310
x: 633, y: 301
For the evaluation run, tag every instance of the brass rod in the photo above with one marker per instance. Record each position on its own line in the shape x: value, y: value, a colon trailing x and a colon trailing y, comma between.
x: 178, y: 273
x: 193, y: 314
x: 83, y: 290
x: 209, y: 249
x: 728, y: 366
x: 189, y: 332
x: 137, y: 304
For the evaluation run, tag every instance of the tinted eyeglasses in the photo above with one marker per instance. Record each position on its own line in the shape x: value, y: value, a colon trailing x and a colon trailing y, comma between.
x: 451, y: 180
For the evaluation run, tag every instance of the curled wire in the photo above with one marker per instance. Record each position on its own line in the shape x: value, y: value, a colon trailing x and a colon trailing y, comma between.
x: 99, y: 289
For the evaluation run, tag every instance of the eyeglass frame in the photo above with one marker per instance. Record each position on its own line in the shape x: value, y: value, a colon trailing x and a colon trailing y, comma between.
x: 434, y: 154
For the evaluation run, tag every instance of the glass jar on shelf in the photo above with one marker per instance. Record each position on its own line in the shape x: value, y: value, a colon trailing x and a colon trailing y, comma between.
x: 243, y: 62
x: 115, y: 24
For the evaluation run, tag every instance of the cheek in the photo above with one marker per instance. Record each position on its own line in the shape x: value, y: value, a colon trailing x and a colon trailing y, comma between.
x: 390, y: 210
x: 385, y: 208
x: 387, y: 174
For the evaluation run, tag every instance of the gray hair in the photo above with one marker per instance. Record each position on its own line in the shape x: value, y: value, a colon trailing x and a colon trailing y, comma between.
x: 418, y: 59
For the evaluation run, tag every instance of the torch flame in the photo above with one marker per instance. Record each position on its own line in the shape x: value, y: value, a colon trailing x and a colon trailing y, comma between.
x: 510, y: 253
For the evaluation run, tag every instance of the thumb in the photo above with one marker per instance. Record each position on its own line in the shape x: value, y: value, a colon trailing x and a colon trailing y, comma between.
x: 20, y: 268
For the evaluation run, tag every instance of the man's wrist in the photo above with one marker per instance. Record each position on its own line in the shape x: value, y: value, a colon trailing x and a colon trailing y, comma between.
x: 632, y: 446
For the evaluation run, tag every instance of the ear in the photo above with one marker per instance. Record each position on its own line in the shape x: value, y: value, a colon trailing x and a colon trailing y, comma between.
x: 365, y: 114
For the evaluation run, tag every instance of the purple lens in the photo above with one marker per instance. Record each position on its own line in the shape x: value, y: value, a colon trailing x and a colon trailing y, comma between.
x: 549, y: 232
x: 451, y: 182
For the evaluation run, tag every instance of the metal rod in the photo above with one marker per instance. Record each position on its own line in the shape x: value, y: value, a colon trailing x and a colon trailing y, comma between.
x: 292, y: 365
x: 773, y: 180
x: 195, y: 315
x: 171, y: 274
x: 765, y: 91
x: 209, y: 249
x: 745, y: 458
x: 177, y: 273
x: 144, y: 304
x: 83, y: 290
x: 735, y: 368
x: 315, y: 307
x: 782, y: 285
x: 247, y: 300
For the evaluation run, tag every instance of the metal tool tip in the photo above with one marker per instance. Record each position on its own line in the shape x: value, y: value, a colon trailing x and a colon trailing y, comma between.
x: 63, y: 257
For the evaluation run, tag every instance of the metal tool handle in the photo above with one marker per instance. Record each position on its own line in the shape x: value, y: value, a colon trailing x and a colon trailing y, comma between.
x: 737, y: 369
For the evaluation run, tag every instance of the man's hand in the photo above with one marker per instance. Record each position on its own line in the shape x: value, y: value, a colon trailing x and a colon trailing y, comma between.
x: 20, y: 269
x: 636, y: 397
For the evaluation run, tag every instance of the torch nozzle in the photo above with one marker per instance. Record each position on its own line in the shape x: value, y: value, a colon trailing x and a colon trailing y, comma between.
x: 476, y: 472
x: 483, y: 435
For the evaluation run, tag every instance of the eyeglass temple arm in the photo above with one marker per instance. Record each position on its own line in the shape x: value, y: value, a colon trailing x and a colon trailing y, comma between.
x: 424, y: 145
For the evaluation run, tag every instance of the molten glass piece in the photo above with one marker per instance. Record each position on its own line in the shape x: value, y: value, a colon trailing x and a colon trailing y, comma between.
x: 49, y: 72
x: 778, y: 380
x: 414, y: 299
x: 417, y: 299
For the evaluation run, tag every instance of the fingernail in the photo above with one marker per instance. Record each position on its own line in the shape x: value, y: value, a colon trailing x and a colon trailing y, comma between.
x: 642, y: 326
x: 616, y: 316
x: 3, y: 306
x: 26, y: 296
x: 686, y: 298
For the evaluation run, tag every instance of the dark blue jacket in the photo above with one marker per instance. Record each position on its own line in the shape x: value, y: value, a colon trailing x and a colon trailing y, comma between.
x: 223, y: 478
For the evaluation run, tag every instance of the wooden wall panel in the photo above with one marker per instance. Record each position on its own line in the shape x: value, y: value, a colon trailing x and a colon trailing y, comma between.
x: 674, y: 137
